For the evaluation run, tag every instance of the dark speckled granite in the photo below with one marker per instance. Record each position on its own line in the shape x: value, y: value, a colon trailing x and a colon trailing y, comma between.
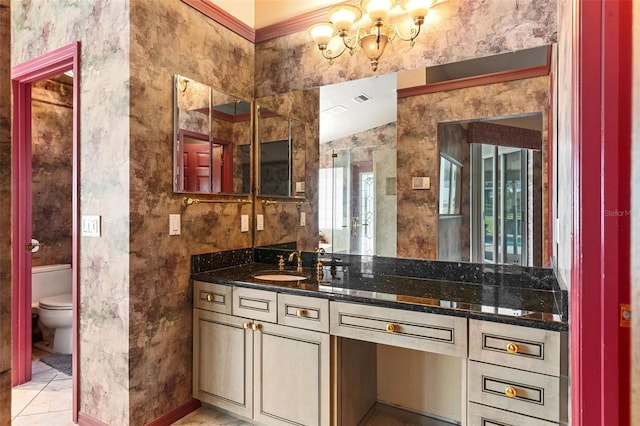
x: 508, y: 294
x: 222, y: 259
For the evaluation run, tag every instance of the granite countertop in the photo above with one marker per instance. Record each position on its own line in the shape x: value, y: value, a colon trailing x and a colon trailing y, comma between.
x: 537, y: 305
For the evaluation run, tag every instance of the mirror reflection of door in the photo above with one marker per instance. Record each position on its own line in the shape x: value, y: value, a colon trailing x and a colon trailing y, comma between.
x: 503, y: 181
x: 195, y: 162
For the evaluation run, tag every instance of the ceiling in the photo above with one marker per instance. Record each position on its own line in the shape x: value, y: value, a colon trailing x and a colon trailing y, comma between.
x: 262, y: 13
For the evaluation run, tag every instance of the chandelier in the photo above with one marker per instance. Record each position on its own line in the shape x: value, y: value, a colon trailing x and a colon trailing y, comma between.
x: 368, y: 27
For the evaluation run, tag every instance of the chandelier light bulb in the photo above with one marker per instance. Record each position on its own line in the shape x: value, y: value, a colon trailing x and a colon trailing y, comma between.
x: 343, y: 17
x: 417, y: 9
x: 321, y: 34
x: 378, y: 10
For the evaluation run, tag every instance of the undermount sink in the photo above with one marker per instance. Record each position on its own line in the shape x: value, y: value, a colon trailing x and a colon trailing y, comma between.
x: 275, y: 276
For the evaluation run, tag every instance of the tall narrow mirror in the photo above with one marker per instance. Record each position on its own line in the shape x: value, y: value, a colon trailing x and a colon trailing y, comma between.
x: 282, y: 146
x: 357, y: 174
x: 212, y: 140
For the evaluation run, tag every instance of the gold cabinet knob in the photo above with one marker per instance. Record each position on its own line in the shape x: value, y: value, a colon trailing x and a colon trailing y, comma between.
x: 510, y: 392
x: 391, y: 328
x: 512, y: 348
x: 255, y: 327
x: 301, y: 313
x: 209, y: 297
x: 246, y: 325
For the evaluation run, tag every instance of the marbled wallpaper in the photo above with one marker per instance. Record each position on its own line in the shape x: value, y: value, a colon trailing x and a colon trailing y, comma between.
x: 170, y: 38
x: 456, y: 30
x: 103, y: 29
x: 418, y: 154
x: 282, y: 219
x: 51, y: 161
x: 5, y: 214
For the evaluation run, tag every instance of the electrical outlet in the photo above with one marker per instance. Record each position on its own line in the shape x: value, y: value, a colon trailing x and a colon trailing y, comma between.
x: 303, y: 219
x: 244, y: 223
x: 260, y: 222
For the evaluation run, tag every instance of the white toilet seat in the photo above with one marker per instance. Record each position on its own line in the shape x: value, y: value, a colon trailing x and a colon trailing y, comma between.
x: 61, y: 302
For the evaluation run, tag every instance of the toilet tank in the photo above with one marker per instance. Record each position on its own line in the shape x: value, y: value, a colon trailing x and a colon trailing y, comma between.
x: 50, y: 280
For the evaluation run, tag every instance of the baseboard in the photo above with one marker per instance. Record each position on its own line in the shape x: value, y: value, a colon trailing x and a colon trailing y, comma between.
x: 176, y: 414
x: 164, y: 420
x: 87, y: 420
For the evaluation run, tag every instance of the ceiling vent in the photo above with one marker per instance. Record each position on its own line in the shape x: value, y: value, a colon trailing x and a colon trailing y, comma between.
x: 361, y: 98
x: 333, y: 111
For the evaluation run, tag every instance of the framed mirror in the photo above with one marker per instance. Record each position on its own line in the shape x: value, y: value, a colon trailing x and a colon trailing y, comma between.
x: 281, y: 160
x: 399, y: 188
x: 212, y: 134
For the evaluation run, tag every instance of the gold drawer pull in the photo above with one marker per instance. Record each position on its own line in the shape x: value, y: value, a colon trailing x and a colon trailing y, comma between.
x: 301, y: 313
x: 255, y: 327
x: 209, y: 297
x: 512, y: 348
x: 246, y: 325
x: 510, y: 392
x: 391, y: 328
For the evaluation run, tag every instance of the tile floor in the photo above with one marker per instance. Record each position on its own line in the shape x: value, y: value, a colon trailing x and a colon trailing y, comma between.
x: 45, y: 400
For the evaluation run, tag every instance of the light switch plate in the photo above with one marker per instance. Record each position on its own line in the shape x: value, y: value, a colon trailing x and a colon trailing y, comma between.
x: 91, y: 226
x: 260, y: 222
x: 174, y: 224
x: 300, y: 186
x: 303, y: 219
x: 244, y: 223
x: 420, y: 182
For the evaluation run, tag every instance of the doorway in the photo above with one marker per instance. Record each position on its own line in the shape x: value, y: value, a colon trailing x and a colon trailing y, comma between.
x: 23, y: 76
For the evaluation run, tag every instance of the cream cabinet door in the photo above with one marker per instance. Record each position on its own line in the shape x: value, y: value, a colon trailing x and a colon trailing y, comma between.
x: 222, y: 361
x: 291, y: 370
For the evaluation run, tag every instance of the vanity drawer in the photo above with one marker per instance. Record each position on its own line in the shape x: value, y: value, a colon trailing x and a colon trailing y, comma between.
x: 481, y: 415
x: 255, y: 304
x: 526, y: 348
x: 212, y: 297
x: 414, y: 330
x: 531, y: 394
x: 310, y: 313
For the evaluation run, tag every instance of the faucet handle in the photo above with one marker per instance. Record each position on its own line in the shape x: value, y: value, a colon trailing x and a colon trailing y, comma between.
x: 281, y: 262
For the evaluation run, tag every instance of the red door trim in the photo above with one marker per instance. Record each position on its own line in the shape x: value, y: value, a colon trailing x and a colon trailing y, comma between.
x: 63, y: 59
x: 601, y: 173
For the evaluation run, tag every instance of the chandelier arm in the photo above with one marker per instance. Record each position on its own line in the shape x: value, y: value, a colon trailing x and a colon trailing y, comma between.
x: 415, y: 32
x: 328, y: 54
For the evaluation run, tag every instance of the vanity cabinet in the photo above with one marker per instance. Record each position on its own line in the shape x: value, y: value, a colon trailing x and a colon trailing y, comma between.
x: 422, y: 331
x: 516, y: 373
x: 246, y: 363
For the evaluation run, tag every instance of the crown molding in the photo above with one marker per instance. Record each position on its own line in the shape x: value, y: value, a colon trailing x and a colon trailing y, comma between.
x: 223, y: 18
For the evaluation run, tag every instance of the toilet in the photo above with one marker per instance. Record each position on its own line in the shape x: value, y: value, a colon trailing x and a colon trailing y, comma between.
x: 51, y: 288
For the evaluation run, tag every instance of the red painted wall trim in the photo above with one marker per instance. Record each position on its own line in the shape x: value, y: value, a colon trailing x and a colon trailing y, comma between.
x: 176, y: 414
x: 223, y: 18
x: 462, y: 83
x: 22, y: 75
x: 600, y: 261
x: 87, y: 420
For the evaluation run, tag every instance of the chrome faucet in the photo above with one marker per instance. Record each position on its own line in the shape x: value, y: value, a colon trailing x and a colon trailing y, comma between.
x: 299, y: 254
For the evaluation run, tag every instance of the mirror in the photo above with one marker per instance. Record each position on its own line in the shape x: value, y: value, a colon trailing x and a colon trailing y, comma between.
x: 281, y: 156
x: 399, y: 188
x: 212, y: 134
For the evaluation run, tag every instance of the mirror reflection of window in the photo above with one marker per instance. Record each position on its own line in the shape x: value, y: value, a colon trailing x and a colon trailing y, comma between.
x: 450, y: 186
